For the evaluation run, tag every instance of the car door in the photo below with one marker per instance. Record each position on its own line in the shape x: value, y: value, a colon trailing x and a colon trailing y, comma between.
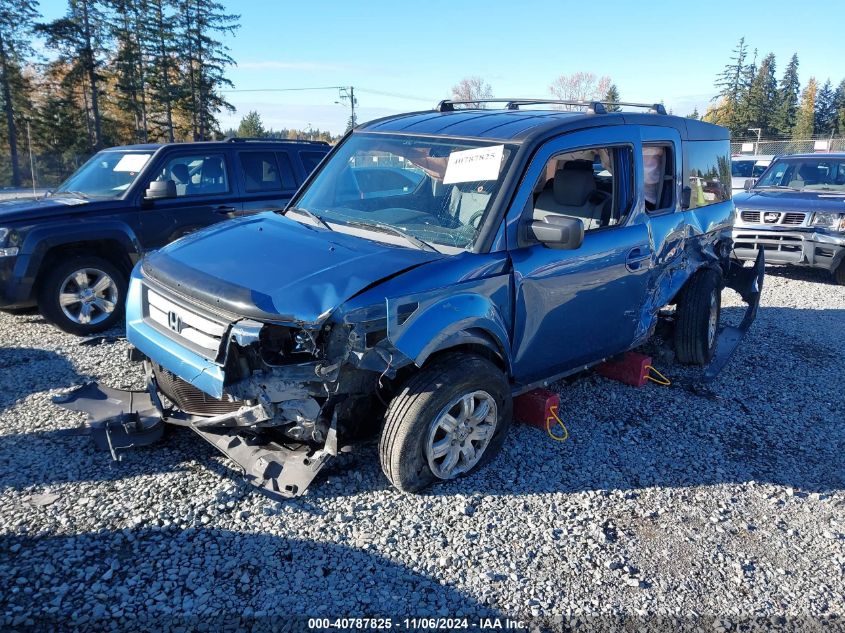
x: 204, y: 196
x: 267, y: 179
x: 574, y: 307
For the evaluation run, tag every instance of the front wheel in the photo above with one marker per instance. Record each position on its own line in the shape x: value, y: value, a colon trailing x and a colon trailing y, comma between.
x: 697, y: 318
x: 448, y: 420
x: 83, y: 295
x: 839, y: 274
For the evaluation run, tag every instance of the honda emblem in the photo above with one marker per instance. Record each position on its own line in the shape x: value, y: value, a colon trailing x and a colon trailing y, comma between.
x: 174, y: 322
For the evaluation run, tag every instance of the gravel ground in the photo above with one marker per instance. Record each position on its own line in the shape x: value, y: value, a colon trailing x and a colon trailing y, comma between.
x: 725, y: 503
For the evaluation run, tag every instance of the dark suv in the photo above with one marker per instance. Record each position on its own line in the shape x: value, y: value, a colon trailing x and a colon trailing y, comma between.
x: 496, y: 251
x: 71, y: 252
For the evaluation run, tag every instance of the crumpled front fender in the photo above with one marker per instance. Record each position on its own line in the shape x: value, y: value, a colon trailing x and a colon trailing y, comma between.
x: 478, y: 313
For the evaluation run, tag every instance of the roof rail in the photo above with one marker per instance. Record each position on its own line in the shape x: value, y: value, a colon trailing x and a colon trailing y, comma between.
x: 255, y: 139
x: 592, y: 107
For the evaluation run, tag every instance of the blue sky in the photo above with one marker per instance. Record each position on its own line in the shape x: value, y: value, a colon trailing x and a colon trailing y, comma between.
x: 670, y: 51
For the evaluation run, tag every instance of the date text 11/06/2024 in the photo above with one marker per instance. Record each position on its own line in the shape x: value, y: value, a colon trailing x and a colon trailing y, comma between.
x: 427, y: 624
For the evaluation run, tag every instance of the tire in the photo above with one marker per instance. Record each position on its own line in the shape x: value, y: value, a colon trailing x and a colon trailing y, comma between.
x: 66, y: 280
x: 697, y: 318
x: 411, y: 428
x: 839, y: 274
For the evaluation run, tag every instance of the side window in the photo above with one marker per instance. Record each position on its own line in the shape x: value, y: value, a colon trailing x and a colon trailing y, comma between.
x: 593, y: 185
x: 658, y: 177
x: 707, y: 173
x: 310, y: 160
x: 286, y: 171
x: 260, y: 171
x: 197, y: 174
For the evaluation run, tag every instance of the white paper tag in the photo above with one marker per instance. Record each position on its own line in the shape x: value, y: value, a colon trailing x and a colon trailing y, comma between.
x: 131, y: 162
x: 472, y: 165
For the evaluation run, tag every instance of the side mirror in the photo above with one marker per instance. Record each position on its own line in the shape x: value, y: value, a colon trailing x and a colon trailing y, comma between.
x: 749, y: 184
x: 159, y: 189
x: 559, y: 232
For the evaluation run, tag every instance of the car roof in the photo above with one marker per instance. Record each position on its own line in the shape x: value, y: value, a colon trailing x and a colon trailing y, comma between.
x: 234, y: 142
x: 754, y: 157
x: 518, y: 126
x: 819, y: 155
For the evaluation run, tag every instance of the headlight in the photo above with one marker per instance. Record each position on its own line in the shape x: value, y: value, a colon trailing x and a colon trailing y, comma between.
x: 7, y: 250
x: 835, y: 221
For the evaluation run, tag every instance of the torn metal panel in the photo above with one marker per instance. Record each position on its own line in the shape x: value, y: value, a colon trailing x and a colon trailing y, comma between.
x: 418, y: 325
x: 748, y: 282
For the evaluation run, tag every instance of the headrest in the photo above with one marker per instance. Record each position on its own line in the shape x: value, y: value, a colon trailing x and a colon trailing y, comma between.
x: 574, y: 184
x: 212, y: 168
x: 180, y: 172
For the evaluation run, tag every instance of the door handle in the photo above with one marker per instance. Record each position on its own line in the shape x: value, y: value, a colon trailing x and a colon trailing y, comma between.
x: 224, y: 210
x: 636, y: 257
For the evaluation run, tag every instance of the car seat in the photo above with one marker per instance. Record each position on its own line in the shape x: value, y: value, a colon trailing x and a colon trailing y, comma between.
x: 181, y: 176
x: 212, y: 179
x: 573, y: 192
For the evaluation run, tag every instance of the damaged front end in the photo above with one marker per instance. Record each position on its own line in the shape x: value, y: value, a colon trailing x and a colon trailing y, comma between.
x: 278, y: 400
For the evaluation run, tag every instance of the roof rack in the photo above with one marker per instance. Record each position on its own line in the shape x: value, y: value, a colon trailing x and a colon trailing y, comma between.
x: 592, y: 107
x: 254, y: 139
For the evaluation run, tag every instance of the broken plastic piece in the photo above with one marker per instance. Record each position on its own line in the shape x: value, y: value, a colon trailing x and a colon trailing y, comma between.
x: 118, y: 419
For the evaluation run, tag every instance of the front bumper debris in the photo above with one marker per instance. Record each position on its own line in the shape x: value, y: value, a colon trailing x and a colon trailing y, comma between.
x: 748, y: 282
x: 124, y: 419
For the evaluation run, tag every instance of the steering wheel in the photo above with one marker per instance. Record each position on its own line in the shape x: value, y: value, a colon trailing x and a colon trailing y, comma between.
x: 475, y: 219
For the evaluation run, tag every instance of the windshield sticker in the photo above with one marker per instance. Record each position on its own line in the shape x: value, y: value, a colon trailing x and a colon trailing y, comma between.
x: 132, y: 162
x: 473, y: 165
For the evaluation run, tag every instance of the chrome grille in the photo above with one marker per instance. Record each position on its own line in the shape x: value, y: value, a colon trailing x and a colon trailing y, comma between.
x: 750, y: 216
x: 793, y: 218
x: 188, y: 398
x: 190, y: 326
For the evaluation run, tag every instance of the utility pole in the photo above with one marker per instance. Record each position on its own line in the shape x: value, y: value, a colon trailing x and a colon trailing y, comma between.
x: 757, y: 144
x: 349, y: 93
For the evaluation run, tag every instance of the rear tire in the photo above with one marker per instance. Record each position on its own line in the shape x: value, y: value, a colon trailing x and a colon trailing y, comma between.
x: 458, y: 391
x: 839, y: 274
x: 697, y: 318
x: 83, y: 295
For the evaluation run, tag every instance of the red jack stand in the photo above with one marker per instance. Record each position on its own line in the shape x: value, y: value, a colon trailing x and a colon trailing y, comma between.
x: 535, y: 407
x: 631, y: 368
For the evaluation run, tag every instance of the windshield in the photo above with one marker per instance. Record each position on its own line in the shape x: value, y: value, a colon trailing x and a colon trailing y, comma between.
x: 748, y: 168
x: 107, y: 174
x: 810, y: 174
x: 437, y: 191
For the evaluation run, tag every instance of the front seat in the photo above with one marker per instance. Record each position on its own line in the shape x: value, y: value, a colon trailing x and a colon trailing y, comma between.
x: 181, y: 176
x: 212, y: 180
x: 572, y: 192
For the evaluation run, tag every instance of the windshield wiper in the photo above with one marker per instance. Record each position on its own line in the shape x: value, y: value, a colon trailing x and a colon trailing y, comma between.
x: 389, y: 228
x: 79, y: 194
x: 779, y: 187
x: 309, y: 214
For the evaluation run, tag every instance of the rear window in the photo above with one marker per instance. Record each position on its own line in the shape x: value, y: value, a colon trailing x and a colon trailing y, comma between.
x: 707, y: 172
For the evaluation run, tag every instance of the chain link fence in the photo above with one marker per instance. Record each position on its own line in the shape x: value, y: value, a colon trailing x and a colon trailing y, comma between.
x: 788, y: 146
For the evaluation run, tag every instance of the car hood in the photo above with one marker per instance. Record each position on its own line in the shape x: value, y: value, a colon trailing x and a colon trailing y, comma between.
x: 269, y: 267
x: 31, y: 209
x: 785, y: 200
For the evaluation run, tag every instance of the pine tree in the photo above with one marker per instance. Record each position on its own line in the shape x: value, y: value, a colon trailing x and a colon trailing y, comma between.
x: 805, y: 118
x: 17, y: 21
x: 744, y: 116
x: 129, y: 65
x: 612, y: 97
x: 162, y: 72
x: 694, y: 114
x: 251, y: 126
x: 762, y: 95
x: 207, y: 59
x: 824, y: 120
x: 839, y: 105
x: 730, y: 85
x: 80, y: 38
x: 786, y: 111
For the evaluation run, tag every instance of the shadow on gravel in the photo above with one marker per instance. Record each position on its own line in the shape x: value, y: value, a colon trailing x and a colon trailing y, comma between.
x: 773, y: 416
x: 801, y: 273
x: 157, y: 578
x: 27, y: 370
